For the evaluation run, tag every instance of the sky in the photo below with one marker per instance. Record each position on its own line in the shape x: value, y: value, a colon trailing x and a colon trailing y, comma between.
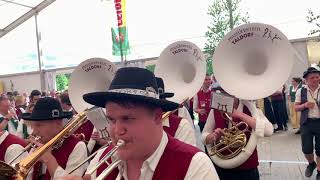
x: 75, y: 30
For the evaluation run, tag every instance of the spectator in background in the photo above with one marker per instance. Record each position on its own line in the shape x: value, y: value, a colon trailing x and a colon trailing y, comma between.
x: 14, y: 126
x: 35, y: 95
x: 202, y: 102
x: 294, y: 115
x: 20, y: 105
x: 279, y: 109
x: 25, y: 95
x: 44, y: 94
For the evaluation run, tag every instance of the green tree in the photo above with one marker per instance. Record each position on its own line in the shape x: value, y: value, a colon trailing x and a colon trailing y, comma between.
x: 62, y: 82
x: 225, y: 15
x: 315, y: 20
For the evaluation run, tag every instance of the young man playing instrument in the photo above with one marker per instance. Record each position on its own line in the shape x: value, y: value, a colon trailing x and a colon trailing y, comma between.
x: 134, y: 110
x: 214, y: 129
x: 46, y: 122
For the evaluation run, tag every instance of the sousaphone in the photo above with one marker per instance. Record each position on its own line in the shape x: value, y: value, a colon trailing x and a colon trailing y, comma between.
x: 251, y: 62
x: 182, y: 66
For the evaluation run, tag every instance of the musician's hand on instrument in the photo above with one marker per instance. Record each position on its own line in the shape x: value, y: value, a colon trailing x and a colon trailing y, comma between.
x: 96, y: 136
x: 214, y: 136
x: 309, y: 105
x: 236, y: 114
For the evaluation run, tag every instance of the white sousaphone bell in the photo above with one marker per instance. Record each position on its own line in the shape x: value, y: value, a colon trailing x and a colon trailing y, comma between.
x: 251, y: 62
x: 182, y: 66
x: 92, y: 75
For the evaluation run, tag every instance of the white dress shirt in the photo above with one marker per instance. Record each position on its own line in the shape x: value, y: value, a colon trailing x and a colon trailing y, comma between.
x: 263, y: 125
x: 184, y: 133
x: 200, y: 168
x: 313, y: 112
x: 78, y: 154
x: 184, y: 113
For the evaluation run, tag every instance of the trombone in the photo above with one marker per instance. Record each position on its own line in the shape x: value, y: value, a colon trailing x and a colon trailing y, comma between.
x: 8, y: 169
x: 25, y: 149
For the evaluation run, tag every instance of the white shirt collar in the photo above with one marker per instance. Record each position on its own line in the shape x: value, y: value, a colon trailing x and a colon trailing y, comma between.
x: 3, y: 136
x: 153, y: 160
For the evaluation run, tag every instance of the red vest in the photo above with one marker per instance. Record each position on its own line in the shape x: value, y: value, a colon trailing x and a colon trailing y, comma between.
x: 173, y: 164
x: 62, y: 155
x: 10, y: 139
x: 220, y: 122
x: 174, y: 122
x: 85, y: 129
x: 18, y: 112
x: 204, y: 102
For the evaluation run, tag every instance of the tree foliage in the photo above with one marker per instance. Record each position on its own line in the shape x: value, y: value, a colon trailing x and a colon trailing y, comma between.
x: 315, y: 20
x: 225, y: 15
x: 62, y: 82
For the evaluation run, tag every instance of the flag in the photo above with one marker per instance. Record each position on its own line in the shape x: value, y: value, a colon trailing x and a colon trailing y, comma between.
x: 120, y: 42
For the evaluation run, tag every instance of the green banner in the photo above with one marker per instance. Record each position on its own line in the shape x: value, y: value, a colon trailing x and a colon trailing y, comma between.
x: 120, y: 41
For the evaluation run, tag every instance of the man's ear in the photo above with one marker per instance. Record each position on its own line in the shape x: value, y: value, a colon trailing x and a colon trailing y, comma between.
x: 158, y: 115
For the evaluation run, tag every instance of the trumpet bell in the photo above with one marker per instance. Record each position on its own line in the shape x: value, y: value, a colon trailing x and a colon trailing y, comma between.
x: 182, y: 66
x: 92, y: 75
x: 253, y: 61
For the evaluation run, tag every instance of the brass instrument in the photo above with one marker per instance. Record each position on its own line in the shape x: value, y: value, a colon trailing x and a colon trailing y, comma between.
x: 6, y: 169
x: 20, y: 171
x: 27, y: 148
x: 89, y: 158
x: 111, y: 166
x: 231, y: 142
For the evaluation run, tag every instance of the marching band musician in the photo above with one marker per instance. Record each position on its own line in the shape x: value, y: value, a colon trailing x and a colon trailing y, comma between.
x: 213, y: 130
x: 46, y: 122
x: 202, y: 101
x: 10, y: 145
x: 134, y: 111
x: 175, y: 125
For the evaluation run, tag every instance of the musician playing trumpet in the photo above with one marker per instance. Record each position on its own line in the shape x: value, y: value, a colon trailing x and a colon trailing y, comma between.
x: 215, y: 128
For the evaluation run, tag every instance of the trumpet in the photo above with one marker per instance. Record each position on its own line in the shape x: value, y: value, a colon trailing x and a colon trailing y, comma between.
x: 111, y: 166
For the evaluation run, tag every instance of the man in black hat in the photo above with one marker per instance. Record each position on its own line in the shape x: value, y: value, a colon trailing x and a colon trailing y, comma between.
x: 46, y: 122
x: 308, y: 101
x: 134, y: 111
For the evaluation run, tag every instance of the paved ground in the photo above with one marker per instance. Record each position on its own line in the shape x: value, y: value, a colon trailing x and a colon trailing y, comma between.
x: 281, y: 158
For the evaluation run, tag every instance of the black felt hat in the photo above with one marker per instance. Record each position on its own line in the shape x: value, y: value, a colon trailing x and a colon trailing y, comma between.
x: 309, y: 71
x: 131, y: 83
x: 162, y: 93
x: 46, y: 108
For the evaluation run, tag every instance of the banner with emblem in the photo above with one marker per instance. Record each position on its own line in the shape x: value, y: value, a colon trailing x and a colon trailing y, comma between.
x: 120, y: 42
